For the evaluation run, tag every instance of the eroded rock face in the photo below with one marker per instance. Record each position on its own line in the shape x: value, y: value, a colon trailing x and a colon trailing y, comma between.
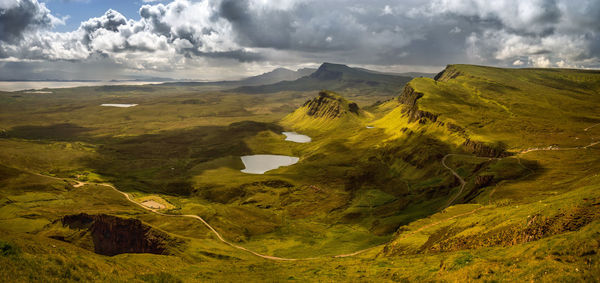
x: 409, y: 98
x: 328, y: 106
x: 484, y: 150
x: 113, y: 235
x: 448, y: 238
x: 483, y: 181
x: 537, y: 227
x: 447, y: 74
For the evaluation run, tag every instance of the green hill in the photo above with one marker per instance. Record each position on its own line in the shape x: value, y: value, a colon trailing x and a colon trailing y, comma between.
x: 541, y: 119
x: 520, y: 108
x: 479, y: 174
x: 327, y: 111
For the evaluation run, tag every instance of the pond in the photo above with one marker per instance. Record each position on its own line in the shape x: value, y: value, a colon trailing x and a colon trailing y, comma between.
x: 118, y: 105
x: 295, y: 137
x: 261, y: 163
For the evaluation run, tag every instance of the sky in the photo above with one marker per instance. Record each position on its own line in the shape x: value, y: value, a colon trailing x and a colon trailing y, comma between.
x: 230, y: 39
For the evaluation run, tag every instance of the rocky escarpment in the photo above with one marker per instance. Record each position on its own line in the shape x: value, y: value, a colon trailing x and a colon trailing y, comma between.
x: 536, y: 227
x: 409, y: 98
x: 330, y: 105
x: 485, y: 150
x: 447, y: 74
x: 112, y: 235
x: 450, y: 238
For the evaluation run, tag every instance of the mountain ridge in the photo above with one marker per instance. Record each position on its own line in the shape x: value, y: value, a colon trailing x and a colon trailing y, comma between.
x: 335, y: 77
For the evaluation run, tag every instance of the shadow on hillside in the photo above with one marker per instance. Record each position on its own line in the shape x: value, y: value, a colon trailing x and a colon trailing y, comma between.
x: 154, y: 162
x: 56, y: 132
x: 162, y: 162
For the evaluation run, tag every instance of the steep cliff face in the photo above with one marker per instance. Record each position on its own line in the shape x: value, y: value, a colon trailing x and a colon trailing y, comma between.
x: 484, y: 150
x: 447, y: 74
x: 409, y: 102
x: 111, y: 235
x: 408, y: 98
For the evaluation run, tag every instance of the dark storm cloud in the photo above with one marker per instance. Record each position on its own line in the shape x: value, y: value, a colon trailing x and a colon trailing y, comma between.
x: 17, y: 17
x: 196, y: 34
x: 240, y: 55
x: 265, y: 28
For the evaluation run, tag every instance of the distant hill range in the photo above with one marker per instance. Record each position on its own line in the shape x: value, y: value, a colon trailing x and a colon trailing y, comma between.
x: 336, y: 77
x: 275, y: 76
x: 406, y: 74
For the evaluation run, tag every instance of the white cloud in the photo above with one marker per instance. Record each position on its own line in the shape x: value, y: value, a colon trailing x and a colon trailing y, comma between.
x: 387, y: 10
x: 540, y: 61
x: 186, y: 34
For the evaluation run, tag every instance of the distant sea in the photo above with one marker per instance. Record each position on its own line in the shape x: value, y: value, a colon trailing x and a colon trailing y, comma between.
x: 35, y: 85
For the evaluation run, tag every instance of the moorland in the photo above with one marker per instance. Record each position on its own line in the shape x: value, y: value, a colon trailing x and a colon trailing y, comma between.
x: 479, y: 173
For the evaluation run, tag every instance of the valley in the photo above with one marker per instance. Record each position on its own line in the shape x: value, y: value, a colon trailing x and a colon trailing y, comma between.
x: 480, y: 173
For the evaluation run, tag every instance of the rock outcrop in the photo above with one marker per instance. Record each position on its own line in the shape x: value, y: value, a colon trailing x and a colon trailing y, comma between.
x: 484, y: 150
x: 537, y: 227
x: 112, y: 235
x: 409, y: 98
x: 447, y: 74
x: 483, y: 181
x: 330, y: 105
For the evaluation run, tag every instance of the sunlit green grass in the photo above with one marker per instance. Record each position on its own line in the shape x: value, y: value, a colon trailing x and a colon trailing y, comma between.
x: 353, y: 188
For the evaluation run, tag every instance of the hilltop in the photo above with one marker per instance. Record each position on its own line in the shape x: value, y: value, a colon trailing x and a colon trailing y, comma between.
x: 519, y: 108
x: 327, y: 111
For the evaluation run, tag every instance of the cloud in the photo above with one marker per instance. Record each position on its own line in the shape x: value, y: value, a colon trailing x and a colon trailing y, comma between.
x: 455, y: 30
x: 387, y: 10
x: 562, y: 30
x: 163, y: 36
x: 199, y: 35
x: 17, y: 17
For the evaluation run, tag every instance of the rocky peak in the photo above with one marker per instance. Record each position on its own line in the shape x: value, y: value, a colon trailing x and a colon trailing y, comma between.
x: 329, y: 71
x: 330, y: 105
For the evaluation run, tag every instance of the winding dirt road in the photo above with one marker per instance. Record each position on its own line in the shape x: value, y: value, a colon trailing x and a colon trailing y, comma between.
x: 217, y: 234
x: 462, y: 181
x: 155, y: 211
x: 220, y: 237
x: 548, y: 148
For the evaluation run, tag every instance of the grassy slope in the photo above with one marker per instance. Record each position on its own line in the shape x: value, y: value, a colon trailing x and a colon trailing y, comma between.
x: 562, y: 182
x: 522, y: 108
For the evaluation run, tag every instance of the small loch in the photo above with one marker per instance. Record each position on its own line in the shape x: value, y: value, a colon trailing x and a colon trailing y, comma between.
x: 118, y: 105
x: 261, y: 163
x: 295, y: 137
